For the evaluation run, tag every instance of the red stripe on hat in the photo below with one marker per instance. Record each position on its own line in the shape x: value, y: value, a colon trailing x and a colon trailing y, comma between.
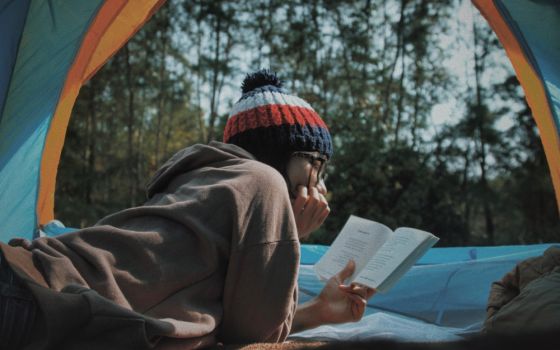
x: 271, y: 115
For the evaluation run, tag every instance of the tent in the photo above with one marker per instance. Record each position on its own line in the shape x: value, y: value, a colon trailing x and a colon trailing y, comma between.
x: 49, y: 49
x: 528, y: 30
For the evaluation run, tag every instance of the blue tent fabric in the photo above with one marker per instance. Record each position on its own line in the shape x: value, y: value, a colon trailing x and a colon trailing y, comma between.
x: 541, y: 42
x: 55, y: 228
x: 443, y: 297
x: 40, y: 54
x: 13, y: 15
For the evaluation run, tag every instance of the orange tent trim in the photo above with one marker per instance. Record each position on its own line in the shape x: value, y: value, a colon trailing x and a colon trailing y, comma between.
x: 115, y: 23
x: 533, y: 87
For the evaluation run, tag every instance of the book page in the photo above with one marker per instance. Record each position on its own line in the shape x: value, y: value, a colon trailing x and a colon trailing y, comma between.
x: 359, y: 239
x: 407, y: 264
x: 395, y: 251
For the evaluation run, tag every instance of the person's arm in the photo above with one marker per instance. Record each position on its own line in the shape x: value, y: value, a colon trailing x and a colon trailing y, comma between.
x: 337, y: 303
x: 307, y: 316
x: 502, y: 292
x: 260, y: 287
x: 509, y: 287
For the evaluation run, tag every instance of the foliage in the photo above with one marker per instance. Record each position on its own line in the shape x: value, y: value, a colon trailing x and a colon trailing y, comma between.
x: 374, y: 70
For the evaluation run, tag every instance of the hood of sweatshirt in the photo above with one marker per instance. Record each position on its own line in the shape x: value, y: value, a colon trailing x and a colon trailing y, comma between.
x: 193, y: 157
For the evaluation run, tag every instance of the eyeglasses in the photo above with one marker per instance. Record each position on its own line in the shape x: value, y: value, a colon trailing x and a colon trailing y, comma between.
x: 318, y: 163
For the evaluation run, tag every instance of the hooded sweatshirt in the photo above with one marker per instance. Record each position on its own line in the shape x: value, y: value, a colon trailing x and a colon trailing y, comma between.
x: 527, y: 299
x: 211, y: 256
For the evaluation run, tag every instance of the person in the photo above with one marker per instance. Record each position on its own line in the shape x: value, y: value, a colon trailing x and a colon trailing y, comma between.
x: 527, y: 298
x: 212, y: 255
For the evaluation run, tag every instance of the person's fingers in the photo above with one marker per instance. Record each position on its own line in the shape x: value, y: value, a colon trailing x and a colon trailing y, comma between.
x: 310, y: 209
x: 323, y: 199
x: 312, y: 201
x: 358, y: 306
x: 314, y: 193
x: 360, y: 310
x: 301, y: 199
x: 356, y: 298
x: 323, y: 216
x: 320, y: 207
x: 316, y: 208
x: 363, y: 291
x: 347, y: 271
x: 360, y: 290
x: 307, y: 215
x: 314, y: 196
x: 355, y: 312
x: 20, y: 242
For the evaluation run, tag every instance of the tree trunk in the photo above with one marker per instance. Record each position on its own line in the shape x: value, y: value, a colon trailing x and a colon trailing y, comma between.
x: 401, y: 97
x: 415, y: 112
x: 162, y: 90
x: 466, y: 197
x: 480, y: 118
x: 131, y: 166
x: 92, y: 138
x: 200, y: 114
x: 389, y: 82
x: 216, y: 72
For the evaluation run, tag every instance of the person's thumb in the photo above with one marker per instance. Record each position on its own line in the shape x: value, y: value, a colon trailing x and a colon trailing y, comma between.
x: 347, y: 271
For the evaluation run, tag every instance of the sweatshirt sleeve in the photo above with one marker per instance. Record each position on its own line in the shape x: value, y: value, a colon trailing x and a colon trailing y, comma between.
x: 502, y: 292
x: 260, y: 290
x: 505, y: 290
x: 260, y: 295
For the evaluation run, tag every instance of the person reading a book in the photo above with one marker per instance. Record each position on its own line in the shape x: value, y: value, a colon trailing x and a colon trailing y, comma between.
x: 211, y: 256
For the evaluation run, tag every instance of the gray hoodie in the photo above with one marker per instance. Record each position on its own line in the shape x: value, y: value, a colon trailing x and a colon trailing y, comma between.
x: 211, y: 256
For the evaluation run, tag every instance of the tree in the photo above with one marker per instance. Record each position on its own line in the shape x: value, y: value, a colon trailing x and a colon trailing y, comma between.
x: 372, y: 69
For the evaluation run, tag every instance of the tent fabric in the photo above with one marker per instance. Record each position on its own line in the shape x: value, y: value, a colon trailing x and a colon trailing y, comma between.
x: 115, y: 23
x: 443, y: 297
x: 48, y: 50
x: 528, y: 30
x: 11, y: 28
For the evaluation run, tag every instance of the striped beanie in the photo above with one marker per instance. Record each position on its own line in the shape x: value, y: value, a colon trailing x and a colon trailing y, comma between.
x: 272, y: 124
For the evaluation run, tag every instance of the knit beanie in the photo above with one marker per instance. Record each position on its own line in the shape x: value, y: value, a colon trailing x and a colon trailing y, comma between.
x: 271, y: 124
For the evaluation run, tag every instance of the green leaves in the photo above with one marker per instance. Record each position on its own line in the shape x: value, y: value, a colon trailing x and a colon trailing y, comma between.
x: 373, y: 70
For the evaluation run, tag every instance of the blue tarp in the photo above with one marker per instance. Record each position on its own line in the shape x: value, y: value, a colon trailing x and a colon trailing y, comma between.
x: 442, y: 297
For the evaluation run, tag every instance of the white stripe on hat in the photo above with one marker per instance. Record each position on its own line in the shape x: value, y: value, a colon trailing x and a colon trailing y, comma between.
x: 268, y: 98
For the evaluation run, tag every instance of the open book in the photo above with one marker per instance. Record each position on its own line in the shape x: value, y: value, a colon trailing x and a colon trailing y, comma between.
x: 382, y: 256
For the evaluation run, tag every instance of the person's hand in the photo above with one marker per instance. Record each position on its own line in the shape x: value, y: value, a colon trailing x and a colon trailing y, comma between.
x: 20, y: 242
x: 310, y: 210
x: 343, y: 303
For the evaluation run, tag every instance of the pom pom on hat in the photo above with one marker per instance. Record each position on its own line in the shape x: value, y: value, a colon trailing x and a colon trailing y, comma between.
x: 271, y: 124
x: 259, y: 79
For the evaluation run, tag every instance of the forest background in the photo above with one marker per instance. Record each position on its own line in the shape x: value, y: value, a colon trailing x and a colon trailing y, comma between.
x: 430, y: 125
